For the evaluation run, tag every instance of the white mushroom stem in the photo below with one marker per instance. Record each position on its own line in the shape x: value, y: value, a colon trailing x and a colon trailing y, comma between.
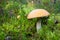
x: 38, y: 25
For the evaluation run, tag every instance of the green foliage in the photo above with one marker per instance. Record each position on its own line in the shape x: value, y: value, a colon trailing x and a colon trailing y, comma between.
x: 45, y: 1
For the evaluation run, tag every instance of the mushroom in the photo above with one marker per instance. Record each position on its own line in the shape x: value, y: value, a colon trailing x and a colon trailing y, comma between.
x: 38, y: 13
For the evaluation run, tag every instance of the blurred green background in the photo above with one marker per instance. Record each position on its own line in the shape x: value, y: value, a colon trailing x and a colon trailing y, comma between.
x: 14, y: 22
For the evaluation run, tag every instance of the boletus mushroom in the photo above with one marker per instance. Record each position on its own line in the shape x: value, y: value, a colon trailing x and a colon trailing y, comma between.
x: 38, y: 13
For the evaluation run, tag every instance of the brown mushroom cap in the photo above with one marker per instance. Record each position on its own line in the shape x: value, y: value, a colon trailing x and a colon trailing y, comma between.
x: 38, y: 13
